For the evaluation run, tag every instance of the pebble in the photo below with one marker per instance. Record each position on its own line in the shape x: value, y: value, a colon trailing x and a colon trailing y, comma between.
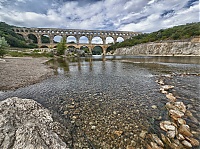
x: 154, y: 107
x: 186, y: 143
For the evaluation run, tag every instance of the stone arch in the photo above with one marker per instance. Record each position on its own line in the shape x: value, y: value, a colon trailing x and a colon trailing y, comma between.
x: 44, y: 46
x: 32, y: 38
x: 97, y: 50
x: 57, y: 38
x: 83, y: 39
x: 86, y: 49
x: 120, y: 39
x: 109, y: 40
x: 97, y: 40
x: 45, y: 38
x: 71, y: 39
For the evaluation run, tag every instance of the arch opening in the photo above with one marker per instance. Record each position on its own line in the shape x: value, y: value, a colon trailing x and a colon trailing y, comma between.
x: 71, y: 39
x: 32, y: 38
x: 85, y: 49
x: 83, y: 39
x: 109, y: 40
x: 57, y: 39
x: 45, y: 39
x: 97, y: 50
x: 97, y: 40
x: 44, y: 46
x: 120, y: 39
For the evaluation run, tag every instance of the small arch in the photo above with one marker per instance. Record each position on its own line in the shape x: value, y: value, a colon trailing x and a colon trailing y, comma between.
x: 32, y: 38
x: 83, y: 39
x: 71, y: 39
x: 97, y: 40
x: 120, y: 39
x: 17, y: 30
x: 57, y: 38
x: 44, y: 46
x: 109, y: 40
x: 45, y: 39
x: 97, y: 50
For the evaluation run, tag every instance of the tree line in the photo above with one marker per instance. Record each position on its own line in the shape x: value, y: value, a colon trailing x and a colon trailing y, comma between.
x: 175, y: 33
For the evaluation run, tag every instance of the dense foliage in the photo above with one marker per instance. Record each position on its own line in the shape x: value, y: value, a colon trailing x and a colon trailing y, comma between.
x: 175, y: 33
x: 13, y: 39
x: 3, y: 46
x: 61, y: 47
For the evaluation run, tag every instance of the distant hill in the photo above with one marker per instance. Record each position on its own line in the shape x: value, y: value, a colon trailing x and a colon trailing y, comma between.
x: 13, y: 39
x: 175, y: 33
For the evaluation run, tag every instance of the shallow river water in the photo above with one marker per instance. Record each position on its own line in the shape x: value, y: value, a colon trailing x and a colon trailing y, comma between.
x: 108, y: 102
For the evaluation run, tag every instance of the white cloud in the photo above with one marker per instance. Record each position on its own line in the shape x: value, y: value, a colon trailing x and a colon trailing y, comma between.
x: 132, y: 15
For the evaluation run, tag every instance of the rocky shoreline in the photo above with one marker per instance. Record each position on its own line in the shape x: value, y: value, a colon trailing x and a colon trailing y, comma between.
x: 19, y: 72
x: 176, y: 132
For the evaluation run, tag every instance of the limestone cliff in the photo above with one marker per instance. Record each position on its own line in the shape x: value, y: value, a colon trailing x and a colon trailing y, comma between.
x: 162, y: 48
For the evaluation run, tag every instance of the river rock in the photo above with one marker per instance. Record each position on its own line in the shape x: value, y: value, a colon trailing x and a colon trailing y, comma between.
x: 186, y: 143
x: 185, y: 130
x: 167, y: 125
x: 171, y: 134
x: 193, y: 141
x: 175, y: 114
x: 157, y: 140
x: 171, y: 97
x: 24, y: 123
x: 181, y: 121
x: 167, y: 87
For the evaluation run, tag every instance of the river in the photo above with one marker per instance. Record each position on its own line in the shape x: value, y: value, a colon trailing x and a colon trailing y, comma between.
x: 108, y: 101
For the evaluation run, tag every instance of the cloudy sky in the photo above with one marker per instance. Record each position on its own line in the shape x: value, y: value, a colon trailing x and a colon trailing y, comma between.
x: 127, y: 15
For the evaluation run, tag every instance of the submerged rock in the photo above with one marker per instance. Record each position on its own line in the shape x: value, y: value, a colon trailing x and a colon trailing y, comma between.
x: 24, y: 123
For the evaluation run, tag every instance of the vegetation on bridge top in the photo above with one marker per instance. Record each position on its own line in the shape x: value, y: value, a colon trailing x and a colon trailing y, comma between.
x: 175, y: 33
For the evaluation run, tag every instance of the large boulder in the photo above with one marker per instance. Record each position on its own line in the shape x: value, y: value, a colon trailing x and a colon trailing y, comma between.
x: 25, y: 124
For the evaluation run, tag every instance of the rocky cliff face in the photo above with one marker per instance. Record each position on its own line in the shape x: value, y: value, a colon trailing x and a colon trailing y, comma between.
x: 162, y: 48
x: 25, y: 124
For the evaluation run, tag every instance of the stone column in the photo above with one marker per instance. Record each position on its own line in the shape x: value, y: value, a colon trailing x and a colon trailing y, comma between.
x: 115, y: 39
x: 25, y: 37
x: 39, y: 39
x: 51, y: 39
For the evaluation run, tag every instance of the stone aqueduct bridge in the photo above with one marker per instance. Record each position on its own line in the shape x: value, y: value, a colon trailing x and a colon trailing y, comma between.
x: 90, y: 34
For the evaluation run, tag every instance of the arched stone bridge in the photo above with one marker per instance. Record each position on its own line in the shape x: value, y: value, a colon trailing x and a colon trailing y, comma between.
x: 51, y: 33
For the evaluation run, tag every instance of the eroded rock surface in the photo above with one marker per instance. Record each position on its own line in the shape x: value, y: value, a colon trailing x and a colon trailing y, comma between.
x: 25, y: 124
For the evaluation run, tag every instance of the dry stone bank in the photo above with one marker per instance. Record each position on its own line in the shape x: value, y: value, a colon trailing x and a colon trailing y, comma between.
x: 162, y: 48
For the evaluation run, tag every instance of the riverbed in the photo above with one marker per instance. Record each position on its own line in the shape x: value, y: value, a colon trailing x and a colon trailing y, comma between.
x: 108, y: 102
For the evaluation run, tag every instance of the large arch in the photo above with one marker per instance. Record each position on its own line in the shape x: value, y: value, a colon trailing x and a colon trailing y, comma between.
x: 32, y: 38
x: 97, y: 50
x: 83, y: 39
x: 57, y: 38
x: 21, y: 36
x: 97, y: 40
x: 109, y: 40
x: 45, y: 39
x: 71, y: 39
x: 120, y: 39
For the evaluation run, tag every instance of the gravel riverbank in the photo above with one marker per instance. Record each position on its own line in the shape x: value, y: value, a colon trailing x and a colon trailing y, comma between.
x: 19, y: 72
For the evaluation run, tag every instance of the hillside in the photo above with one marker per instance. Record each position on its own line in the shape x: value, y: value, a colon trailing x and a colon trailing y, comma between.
x: 175, y: 33
x: 13, y: 39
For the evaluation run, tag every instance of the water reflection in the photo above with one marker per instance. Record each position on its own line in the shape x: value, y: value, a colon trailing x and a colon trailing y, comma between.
x: 63, y: 65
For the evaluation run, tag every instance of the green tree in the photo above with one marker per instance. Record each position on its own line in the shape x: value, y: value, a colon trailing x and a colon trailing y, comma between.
x: 3, y: 46
x: 61, y: 47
